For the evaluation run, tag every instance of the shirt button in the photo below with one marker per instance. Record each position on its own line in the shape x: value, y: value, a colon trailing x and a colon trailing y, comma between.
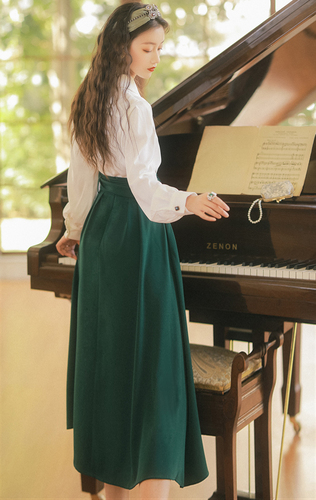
x: 177, y: 208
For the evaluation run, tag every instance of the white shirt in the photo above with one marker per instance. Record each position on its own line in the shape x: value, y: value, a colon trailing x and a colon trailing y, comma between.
x: 137, y: 157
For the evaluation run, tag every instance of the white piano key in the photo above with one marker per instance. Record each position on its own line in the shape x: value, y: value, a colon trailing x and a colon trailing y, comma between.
x: 223, y: 269
x: 191, y: 266
x: 67, y: 261
x: 254, y: 270
x: 240, y: 270
x: 211, y: 268
x: 303, y: 274
x: 251, y: 270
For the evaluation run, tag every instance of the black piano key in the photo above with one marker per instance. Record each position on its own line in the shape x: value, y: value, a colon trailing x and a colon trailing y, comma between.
x: 299, y: 266
x: 252, y: 262
x: 292, y: 264
x: 268, y: 262
x: 283, y: 263
x: 226, y: 262
x: 275, y: 262
x: 255, y: 262
x: 237, y: 261
x: 302, y: 264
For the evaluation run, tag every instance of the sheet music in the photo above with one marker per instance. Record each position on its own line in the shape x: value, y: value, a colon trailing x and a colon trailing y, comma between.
x: 282, y: 154
x: 240, y: 160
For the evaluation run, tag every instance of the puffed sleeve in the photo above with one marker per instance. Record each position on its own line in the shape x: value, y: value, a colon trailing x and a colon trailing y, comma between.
x: 160, y: 202
x: 82, y: 189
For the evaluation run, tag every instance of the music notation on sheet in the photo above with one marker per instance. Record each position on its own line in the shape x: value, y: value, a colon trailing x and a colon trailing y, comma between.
x: 276, y: 162
x: 240, y: 160
x: 282, y: 154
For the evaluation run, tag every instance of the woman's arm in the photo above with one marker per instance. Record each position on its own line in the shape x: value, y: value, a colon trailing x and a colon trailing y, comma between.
x: 82, y: 189
x: 160, y: 202
x: 82, y: 184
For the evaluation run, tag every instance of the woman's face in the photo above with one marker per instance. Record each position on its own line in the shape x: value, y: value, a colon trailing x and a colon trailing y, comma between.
x: 145, y: 51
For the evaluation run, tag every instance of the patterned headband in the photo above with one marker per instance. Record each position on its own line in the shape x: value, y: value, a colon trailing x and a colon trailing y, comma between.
x: 142, y: 16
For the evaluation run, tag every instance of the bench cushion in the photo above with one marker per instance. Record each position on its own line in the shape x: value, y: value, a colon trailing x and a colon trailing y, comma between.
x: 212, y: 367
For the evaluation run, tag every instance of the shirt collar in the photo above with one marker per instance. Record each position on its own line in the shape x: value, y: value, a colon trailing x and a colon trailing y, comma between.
x: 124, y: 83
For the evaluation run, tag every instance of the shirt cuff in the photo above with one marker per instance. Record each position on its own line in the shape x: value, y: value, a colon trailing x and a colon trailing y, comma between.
x: 72, y: 234
x: 178, y: 202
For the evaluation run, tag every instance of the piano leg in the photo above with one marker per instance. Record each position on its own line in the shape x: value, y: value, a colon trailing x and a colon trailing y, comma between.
x: 295, y: 390
x: 92, y: 486
x: 262, y: 438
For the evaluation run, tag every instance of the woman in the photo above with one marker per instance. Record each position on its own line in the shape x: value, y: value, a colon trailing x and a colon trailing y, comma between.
x: 131, y: 399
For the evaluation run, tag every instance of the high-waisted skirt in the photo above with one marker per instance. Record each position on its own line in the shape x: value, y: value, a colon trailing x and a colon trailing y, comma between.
x: 130, y: 390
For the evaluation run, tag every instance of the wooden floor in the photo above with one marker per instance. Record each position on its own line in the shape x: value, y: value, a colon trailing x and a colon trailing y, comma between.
x: 36, y: 448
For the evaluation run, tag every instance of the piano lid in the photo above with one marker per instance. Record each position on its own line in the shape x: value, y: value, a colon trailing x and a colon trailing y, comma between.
x: 219, y: 91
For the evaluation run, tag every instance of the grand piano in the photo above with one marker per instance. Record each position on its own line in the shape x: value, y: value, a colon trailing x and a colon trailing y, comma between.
x: 263, y: 276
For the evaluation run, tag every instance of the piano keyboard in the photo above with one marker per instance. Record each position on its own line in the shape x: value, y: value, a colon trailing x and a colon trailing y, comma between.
x: 274, y: 269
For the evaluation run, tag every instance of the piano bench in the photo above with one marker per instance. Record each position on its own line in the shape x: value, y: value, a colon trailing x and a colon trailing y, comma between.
x: 255, y: 334
x: 232, y: 390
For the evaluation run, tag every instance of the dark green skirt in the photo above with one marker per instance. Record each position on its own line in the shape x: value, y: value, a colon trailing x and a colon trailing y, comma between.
x: 131, y: 399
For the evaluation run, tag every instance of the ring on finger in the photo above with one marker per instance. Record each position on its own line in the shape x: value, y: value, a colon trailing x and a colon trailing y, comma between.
x: 211, y: 195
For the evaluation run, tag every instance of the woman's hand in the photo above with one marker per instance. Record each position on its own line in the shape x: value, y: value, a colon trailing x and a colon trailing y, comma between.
x: 210, y: 210
x: 66, y: 247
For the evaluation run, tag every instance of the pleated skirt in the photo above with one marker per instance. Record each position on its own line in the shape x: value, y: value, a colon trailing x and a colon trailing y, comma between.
x: 130, y: 390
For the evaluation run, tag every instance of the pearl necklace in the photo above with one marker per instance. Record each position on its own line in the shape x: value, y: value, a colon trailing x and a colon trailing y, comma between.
x: 259, y: 201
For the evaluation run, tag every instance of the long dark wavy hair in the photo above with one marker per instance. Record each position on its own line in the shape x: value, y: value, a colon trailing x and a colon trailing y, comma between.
x: 93, y: 107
